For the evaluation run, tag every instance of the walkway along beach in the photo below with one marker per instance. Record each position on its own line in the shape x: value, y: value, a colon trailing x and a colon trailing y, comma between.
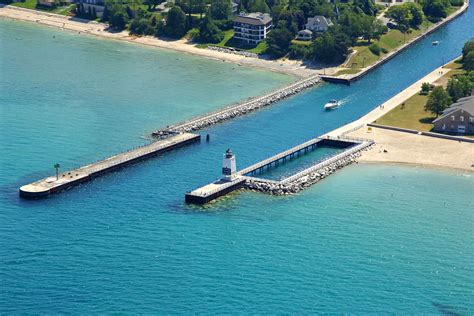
x: 410, y: 148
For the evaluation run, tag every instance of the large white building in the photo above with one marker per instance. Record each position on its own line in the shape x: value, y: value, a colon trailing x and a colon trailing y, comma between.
x: 252, y: 27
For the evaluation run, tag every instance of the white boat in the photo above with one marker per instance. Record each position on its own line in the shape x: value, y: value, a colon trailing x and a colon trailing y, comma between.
x: 435, y: 42
x: 332, y: 105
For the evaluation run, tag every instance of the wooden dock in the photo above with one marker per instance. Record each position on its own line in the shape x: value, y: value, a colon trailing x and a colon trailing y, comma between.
x: 50, y: 185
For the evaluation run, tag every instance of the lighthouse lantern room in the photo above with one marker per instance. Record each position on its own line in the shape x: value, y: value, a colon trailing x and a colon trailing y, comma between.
x: 228, y: 165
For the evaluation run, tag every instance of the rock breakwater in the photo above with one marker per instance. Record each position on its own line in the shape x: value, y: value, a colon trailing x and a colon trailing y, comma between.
x: 303, y: 182
x: 240, y: 108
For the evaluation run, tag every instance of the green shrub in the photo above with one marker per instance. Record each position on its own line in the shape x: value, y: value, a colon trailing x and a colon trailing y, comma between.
x: 193, y: 34
x: 457, y: 3
x: 299, y: 51
x: 375, y: 49
x: 384, y: 50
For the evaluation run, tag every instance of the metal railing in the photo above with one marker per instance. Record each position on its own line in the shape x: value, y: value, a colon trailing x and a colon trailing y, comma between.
x: 325, y: 163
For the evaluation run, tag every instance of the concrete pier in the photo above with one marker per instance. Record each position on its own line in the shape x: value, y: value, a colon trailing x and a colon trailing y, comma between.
x: 50, y: 185
x: 291, y: 184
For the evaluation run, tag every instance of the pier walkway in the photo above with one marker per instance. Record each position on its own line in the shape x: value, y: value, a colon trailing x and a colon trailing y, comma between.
x: 291, y: 184
x: 70, y: 178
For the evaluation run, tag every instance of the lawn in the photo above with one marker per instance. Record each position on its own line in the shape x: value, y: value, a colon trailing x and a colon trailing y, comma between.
x: 229, y: 41
x: 410, y: 114
x: 32, y: 4
x: 301, y: 43
x: 390, y: 41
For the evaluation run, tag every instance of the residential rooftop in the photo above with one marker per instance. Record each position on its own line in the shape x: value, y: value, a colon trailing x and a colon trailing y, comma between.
x: 255, y: 18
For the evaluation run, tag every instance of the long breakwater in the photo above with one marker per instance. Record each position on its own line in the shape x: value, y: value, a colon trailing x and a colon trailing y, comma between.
x: 239, y: 109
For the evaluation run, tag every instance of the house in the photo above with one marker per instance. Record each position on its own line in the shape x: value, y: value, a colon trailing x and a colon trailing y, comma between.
x: 318, y: 23
x: 304, y: 35
x: 458, y: 118
x: 91, y: 7
x: 252, y: 27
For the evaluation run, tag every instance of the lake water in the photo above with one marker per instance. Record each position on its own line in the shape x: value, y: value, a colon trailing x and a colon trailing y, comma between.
x: 369, y: 239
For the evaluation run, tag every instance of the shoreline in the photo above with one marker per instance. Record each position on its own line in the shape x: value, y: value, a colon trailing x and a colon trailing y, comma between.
x: 348, y: 78
x: 81, y: 26
x: 459, y: 171
x: 397, y: 147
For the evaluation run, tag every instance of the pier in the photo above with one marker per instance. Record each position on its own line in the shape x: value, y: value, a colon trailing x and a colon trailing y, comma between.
x: 53, y: 184
x: 292, y: 184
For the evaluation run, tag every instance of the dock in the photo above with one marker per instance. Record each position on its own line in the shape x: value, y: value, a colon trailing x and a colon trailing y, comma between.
x: 65, y: 180
x: 244, y: 179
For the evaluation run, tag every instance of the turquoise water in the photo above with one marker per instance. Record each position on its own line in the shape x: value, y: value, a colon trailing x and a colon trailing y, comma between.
x: 303, y: 161
x: 369, y: 239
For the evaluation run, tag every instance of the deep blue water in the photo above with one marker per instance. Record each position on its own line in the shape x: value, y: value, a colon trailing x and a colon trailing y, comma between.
x: 368, y: 239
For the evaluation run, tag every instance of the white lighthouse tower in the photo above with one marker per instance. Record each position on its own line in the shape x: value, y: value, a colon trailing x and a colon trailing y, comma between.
x: 228, y: 165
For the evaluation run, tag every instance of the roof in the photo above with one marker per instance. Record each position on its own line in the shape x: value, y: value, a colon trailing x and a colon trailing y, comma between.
x: 305, y: 32
x: 319, y: 20
x: 465, y: 104
x: 256, y: 18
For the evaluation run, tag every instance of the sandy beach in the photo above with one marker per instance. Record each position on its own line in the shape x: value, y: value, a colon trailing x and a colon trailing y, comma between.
x: 86, y: 27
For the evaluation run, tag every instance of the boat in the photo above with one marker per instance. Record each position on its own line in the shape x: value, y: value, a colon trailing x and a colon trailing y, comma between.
x: 332, y: 105
x: 435, y: 42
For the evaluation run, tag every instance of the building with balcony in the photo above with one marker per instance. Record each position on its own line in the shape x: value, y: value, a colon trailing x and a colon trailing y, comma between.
x: 252, y: 27
x: 91, y: 7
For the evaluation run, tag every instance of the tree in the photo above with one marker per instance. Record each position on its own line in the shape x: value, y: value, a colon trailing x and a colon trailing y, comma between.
x: 372, y: 28
x: 401, y: 15
x: 468, y: 47
x: 425, y: 88
x: 438, y: 101
x: 366, y: 6
x: 332, y: 46
x: 118, y: 17
x: 279, y: 41
x: 436, y: 9
x: 221, y: 9
x: 468, y: 61
x: 258, y: 6
x: 416, y: 14
x: 209, y: 32
x: 459, y: 86
x: 175, y: 23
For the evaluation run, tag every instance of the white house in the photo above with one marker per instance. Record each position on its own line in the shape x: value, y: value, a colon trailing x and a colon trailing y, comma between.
x: 304, y: 35
x: 318, y: 23
x: 252, y: 27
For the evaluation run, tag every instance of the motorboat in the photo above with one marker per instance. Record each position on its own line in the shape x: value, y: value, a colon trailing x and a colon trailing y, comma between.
x: 332, y: 105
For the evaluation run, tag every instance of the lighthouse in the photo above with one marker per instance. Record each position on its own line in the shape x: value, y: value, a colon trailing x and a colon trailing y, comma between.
x: 228, y: 165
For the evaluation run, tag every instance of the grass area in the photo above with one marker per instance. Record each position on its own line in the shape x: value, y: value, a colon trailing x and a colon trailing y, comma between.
x: 390, y: 41
x: 229, y: 41
x: 457, y: 64
x: 410, y: 114
x: 33, y: 5
x: 301, y: 43
x: 348, y: 71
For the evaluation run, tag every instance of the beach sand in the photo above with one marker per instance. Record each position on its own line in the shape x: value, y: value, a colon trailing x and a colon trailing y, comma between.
x: 406, y: 148
x: 81, y: 26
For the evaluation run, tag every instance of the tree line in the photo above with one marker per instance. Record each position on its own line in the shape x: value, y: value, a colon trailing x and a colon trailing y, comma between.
x: 459, y: 86
x: 205, y: 20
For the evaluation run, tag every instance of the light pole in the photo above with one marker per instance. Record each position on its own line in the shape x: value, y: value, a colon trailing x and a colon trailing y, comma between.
x: 57, y: 166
